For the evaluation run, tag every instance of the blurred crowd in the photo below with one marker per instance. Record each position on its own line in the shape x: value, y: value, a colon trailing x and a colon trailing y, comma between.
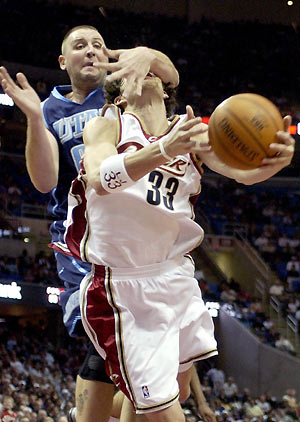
x: 268, y: 218
x: 37, y: 381
x: 39, y: 269
x: 16, y: 188
x: 232, y: 404
x: 37, y: 374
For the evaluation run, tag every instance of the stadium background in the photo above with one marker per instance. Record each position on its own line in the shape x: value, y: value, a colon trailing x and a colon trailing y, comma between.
x: 219, y: 48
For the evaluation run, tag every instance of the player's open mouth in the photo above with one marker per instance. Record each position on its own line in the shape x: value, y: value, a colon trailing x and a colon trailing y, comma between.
x: 149, y: 75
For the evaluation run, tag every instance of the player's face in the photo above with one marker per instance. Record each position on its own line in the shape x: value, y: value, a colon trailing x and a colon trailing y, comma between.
x: 82, y: 52
x: 152, y: 85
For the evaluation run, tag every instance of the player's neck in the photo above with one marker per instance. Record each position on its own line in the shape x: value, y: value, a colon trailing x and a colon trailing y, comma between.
x: 78, y: 95
x: 152, y: 114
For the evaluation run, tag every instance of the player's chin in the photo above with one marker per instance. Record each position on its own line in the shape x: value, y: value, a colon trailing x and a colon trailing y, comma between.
x: 89, y: 70
x: 93, y: 70
x: 94, y: 75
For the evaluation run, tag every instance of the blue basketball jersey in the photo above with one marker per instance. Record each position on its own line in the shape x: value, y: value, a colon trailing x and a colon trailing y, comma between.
x: 65, y: 120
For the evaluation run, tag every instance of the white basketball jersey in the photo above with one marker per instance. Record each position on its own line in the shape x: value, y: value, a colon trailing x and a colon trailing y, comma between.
x: 147, y: 223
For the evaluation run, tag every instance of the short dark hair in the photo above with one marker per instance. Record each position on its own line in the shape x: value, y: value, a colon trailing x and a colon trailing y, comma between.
x: 113, y: 89
x: 75, y: 28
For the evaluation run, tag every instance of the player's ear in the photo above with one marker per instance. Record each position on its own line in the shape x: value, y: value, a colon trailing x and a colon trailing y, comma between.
x: 62, y: 62
x: 165, y: 95
x: 120, y: 101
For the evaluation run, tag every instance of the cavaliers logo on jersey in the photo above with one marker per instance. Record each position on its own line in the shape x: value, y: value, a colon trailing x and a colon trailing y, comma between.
x: 177, y: 166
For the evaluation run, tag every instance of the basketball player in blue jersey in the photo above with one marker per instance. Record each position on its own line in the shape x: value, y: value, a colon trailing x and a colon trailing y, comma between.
x: 53, y: 151
x: 130, y: 215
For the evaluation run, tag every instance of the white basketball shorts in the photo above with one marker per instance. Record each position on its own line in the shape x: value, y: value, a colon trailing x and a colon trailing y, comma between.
x: 149, y: 323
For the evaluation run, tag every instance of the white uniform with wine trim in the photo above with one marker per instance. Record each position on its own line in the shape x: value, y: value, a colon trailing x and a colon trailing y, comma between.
x: 141, y: 305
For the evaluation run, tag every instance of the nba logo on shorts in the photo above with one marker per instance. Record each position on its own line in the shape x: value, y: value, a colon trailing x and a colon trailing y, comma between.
x: 145, y: 391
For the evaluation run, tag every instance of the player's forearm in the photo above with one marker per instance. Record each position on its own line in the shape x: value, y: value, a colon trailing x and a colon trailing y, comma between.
x: 144, y: 161
x: 40, y: 160
x: 137, y: 165
x: 196, y: 388
x: 250, y: 177
x: 247, y: 177
x: 163, y: 67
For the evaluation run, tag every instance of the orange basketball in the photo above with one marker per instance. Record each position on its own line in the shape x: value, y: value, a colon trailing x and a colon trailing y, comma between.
x: 241, y: 129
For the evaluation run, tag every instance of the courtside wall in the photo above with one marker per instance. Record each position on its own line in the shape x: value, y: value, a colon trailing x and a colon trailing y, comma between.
x: 254, y: 365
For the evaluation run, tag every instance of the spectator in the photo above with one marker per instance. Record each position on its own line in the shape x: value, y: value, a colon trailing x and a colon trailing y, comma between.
x: 284, y: 344
x: 227, y: 294
x: 216, y: 376
x: 294, y: 245
x: 293, y: 276
x: 245, y: 395
x: 230, y: 388
x: 297, y: 315
x: 253, y: 410
x: 283, y: 243
x: 271, y: 336
x: 261, y: 241
x: 293, y: 264
x: 290, y: 398
x: 268, y: 324
x: 263, y: 404
x: 292, y: 305
x: 277, y: 288
x: 15, y: 363
x: 8, y: 413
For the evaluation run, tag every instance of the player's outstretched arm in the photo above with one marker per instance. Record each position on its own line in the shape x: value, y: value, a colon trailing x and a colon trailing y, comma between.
x: 22, y: 93
x: 285, y: 149
x: 135, y: 63
x: 41, y: 148
x: 108, y: 175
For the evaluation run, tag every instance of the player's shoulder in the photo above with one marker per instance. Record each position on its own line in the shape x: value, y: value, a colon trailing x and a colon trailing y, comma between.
x: 109, y: 118
x: 100, y: 127
x: 100, y: 121
x: 56, y: 100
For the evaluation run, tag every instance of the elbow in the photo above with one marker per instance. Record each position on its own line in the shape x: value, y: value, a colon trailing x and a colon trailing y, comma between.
x: 43, y: 181
x: 44, y: 187
x: 174, y: 80
x: 246, y: 182
x: 176, y: 77
x: 96, y: 185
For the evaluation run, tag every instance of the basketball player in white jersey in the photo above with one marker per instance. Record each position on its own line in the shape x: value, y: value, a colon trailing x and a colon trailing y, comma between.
x: 131, y: 215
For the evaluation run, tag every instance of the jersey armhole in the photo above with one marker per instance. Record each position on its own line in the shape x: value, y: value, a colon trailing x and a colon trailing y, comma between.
x: 198, y: 163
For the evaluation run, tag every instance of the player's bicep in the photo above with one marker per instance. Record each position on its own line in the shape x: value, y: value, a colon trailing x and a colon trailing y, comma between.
x: 100, y: 139
x: 54, y: 153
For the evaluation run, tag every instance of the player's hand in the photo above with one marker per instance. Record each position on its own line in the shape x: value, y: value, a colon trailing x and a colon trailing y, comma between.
x: 191, y: 136
x: 23, y: 94
x: 206, y: 413
x: 132, y: 64
x: 285, y: 147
